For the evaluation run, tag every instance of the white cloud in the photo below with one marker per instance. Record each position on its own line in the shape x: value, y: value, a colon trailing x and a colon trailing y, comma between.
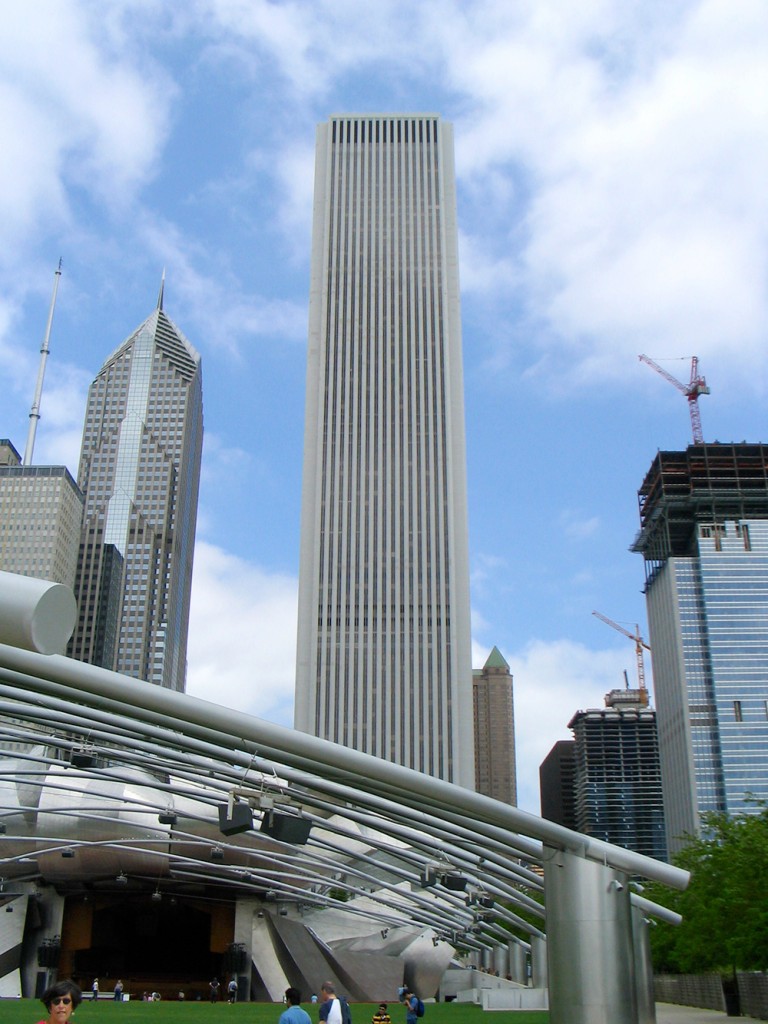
x: 483, y: 270
x: 553, y: 680
x: 225, y: 315
x: 612, y: 156
x: 639, y: 155
x: 575, y: 525
x: 220, y: 459
x: 73, y: 113
x: 62, y: 407
x: 310, y: 46
x: 82, y: 122
x: 487, y: 570
x: 295, y: 172
x: 621, y: 152
x: 242, y: 636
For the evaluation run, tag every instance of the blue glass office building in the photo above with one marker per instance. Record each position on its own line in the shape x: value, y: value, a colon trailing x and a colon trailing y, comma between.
x: 704, y: 539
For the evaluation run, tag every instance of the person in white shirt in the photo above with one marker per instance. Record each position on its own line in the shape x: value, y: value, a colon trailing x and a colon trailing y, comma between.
x: 330, y: 1008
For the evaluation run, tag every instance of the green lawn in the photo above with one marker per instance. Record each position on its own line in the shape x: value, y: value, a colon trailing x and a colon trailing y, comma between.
x: 28, y: 1011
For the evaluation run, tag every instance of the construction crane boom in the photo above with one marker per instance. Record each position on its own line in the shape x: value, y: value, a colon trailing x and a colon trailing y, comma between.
x: 639, y: 645
x: 696, y: 386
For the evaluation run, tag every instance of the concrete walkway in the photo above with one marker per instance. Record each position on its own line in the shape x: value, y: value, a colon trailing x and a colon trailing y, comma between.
x: 669, y: 1013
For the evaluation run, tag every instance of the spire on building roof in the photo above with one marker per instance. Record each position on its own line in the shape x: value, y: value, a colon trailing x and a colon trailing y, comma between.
x: 496, y: 660
x: 162, y: 289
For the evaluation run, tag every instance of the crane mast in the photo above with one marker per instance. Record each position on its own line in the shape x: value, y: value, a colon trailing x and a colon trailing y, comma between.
x: 696, y: 386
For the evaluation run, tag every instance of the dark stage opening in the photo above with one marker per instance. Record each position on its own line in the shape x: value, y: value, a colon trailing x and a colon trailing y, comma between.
x: 143, y: 938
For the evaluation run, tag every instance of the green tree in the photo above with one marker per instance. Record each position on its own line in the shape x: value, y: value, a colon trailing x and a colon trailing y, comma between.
x: 725, y: 907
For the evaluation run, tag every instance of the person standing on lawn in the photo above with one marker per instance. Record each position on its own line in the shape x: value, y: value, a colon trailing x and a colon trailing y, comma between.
x: 381, y: 1016
x: 330, y: 1007
x: 411, y: 1008
x: 295, y: 1014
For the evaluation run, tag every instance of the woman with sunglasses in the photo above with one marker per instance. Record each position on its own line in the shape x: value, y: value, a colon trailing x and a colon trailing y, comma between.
x: 60, y: 1000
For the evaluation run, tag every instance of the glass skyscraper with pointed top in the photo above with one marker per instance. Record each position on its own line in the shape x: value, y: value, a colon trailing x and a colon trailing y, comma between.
x: 383, y: 660
x: 139, y: 472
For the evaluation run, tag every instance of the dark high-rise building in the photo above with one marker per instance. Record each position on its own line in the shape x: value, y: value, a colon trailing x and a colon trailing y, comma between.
x: 139, y: 472
x: 606, y: 782
x: 617, y: 787
x: 704, y: 539
x: 383, y: 663
x: 557, y: 784
x: 494, y: 720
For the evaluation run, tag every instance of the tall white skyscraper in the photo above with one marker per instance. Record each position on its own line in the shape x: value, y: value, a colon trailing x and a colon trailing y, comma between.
x: 383, y: 660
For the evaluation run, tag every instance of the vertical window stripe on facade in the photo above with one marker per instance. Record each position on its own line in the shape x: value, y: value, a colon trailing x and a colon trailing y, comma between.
x: 383, y: 661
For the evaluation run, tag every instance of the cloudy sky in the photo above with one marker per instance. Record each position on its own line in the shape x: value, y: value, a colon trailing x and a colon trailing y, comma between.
x: 612, y: 160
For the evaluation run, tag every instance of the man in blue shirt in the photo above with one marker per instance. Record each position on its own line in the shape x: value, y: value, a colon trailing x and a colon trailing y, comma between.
x: 411, y: 1005
x: 294, y: 1014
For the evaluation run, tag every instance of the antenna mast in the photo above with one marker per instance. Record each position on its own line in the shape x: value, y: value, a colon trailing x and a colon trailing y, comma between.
x: 34, y: 414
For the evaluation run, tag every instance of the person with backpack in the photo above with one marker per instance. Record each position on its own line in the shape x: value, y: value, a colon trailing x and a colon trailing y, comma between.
x: 414, y: 1008
x: 333, y: 1009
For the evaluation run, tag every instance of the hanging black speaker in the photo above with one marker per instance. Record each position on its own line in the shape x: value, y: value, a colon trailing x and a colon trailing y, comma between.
x: 456, y: 883
x: 48, y: 953
x: 82, y: 759
x: 286, y: 828
x: 236, y: 958
x: 240, y: 821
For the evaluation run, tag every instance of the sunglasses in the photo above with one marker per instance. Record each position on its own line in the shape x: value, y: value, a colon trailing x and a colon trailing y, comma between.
x: 66, y: 1000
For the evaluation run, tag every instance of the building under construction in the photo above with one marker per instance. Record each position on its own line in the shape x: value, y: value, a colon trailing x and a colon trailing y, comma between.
x: 704, y: 539
x: 606, y: 782
x: 704, y: 486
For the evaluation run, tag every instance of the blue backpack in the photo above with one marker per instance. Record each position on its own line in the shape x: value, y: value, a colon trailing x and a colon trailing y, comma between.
x: 346, y: 1013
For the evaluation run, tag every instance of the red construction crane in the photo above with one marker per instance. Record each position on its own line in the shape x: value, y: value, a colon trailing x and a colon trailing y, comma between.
x: 639, y: 645
x: 695, y: 387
